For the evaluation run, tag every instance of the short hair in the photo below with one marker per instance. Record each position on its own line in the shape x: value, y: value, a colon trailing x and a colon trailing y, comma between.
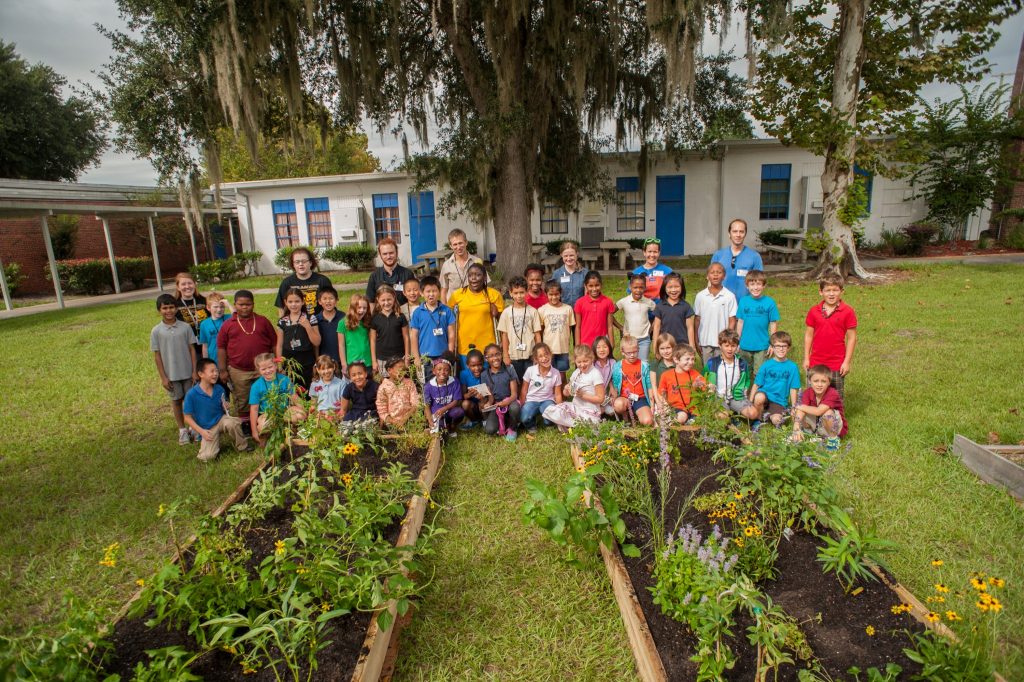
x: 203, y: 363
x: 214, y: 296
x: 533, y: 267
x: 783, y: 337
x: 683, y: 350
x: 728, y: 336
x: 263, y: 357
x: 820, y: 371
x: 244, y: 293
x: 474, y: 354
x: 756, y: 276
x: 628, y: 340
x: 303, y: 249
x: 429, y: 281
x: 387, y: 241
x: 476, y: 266
x: 552, y: 284
x: 488, y: 347
x: 584, y: 351
x: 592, y: 274
x: 327, y: 290
x: 741, y: 221
x: 358, y: 363
x: 392, y: 361
x: 457, y: 232
x: 712, y: 266
x: 413, y: 280
x: 638, y: 276
x: 165, y: 299
x: 517, y: 283
x: 831, y: 278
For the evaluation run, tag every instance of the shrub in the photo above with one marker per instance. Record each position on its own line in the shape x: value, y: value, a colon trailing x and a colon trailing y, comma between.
x: 919, y: 234
x: 776, y: 237
x: 357, y: 256
x: 1015, y: 237
x: 134, y: 270
x: 894, y: 240
x: 92, y: 275
x: 247, y: 261
x: 471, y: 247
x: 282, y: 258
x: 12, y: 273
x: 816, y: 241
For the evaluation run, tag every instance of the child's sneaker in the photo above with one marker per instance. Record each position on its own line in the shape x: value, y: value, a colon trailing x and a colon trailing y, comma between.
x: 832, y: 444
x: 510, y: 436
x: 467, y: 425
x: 183, y: 437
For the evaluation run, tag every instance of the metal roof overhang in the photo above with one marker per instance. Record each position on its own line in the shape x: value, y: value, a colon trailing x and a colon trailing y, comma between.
x: 28, y: 209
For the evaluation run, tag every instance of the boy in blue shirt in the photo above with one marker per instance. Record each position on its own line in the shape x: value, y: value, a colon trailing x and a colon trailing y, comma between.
x: 327, y: 324
x: 431, y: 329
x: 776, y: 385
x: 210, y: 327
x: 206, y: 412
x: 270, y: 391
x: 757, y: 318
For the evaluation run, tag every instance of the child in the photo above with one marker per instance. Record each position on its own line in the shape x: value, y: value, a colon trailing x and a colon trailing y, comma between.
x: 664, y: 351
x: 757, y: 318
x: 431, y: 329
x: 636, y: 311
x: 501, y: 407
x: 359, y: 397
x: 539, y: 389
x: 397, y: 397
x: 210, y: 327
x: 191, y: 305
x: 357, y: 332
x: 535, y: 296
x: 672, y: 314
x: 821, y: 407
x: 675, y: 390
x: 831, y: 332
x: 442, y: 398
x: 777, y: 381
x: 476, y: 307
x: 730, y: 376
x: 557, y: 320
x: 206, y: 412
x: 298, y: 335
x: 389, y: 330
x: 469, y: 378
x: 411, y: 291
x: 173, y: 344
x: 586, y: 388
x: 328, y: 322
x: 604, y: 362
x: 714, y: 310
x: 519, y: 325
x: 631, y: 379
x: 270, y: 391
x: 593, y: 312
x: 327, y: 387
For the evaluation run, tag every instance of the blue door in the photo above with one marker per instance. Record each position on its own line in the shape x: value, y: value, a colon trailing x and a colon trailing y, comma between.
x: 422, y: 235
x: 219, y: 238
x: 670, y: 191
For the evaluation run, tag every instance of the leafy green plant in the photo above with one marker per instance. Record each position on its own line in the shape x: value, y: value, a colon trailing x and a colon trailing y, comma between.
x: 169, y: 664
x: 895, y: 240
x: 93, y: 276
x: 890, y: 674
x: 357, y: 257
x: 944, y: 660
x: 776, y: 237
x: 12, y: 273
x: 282, y: 258
x: 847, y: 556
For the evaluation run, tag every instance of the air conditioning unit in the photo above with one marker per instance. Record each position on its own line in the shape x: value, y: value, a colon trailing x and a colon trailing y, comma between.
x: 349, y: 219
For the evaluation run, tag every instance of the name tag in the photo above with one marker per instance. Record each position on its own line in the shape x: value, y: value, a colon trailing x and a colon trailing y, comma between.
x: 438, y: 332
x: 566, y: 279
x: 742, y: 273
x: 520, y: 346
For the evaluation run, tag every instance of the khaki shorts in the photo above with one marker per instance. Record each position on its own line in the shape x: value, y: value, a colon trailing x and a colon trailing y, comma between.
x: 178, y: 389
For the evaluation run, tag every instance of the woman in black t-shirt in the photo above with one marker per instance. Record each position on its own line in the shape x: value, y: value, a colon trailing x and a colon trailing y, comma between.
x: 191, y: 305
x: 304, y: 279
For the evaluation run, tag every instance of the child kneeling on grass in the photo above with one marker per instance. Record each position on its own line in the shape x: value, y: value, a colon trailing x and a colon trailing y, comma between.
x: 675, y: 390
x: 777, y: 381
x: 631, y: 379
x: 327, y: 386
x: 359, y: 398
x: 271, y: 391
x: 501, y: 407
x: 442, y: 398
x: 540, y: 388
x: 206, y: 412
x: 397, y: 397
x: 731, y: 377
x: 820, y: 411
x: 586, y: 388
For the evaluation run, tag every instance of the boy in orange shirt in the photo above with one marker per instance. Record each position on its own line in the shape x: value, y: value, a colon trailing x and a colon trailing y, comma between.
x: 677, y: 383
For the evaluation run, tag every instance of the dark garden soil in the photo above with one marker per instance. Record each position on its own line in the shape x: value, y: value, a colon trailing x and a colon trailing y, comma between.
x: 956, y: 247
x: 131, y: 638
x: 834, y: 622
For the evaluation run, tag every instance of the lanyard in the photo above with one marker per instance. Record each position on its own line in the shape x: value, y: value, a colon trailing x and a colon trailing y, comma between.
x: 679, y: 386
x: 522, y: 329
x: 735, y: 379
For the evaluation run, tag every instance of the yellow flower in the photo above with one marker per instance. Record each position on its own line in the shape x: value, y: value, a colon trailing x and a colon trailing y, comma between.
x: 161, y: 510
x: 325, y: 607
x: 997, y: 582
x: 870, y: 630
x: 738, y: 541
x: 937, y: 562
x: 900, y: 608
x: 608, y: 441
x: 952, y: 616
x: 350, y: 449
x: 939, y: 587
x: 995, y: 605
x: 979, y: 584
x: 933, y: 617
x: 140, y: 582
x: 301, y: 570
x: 346, y: 479
x: 279, y: 547
x: 982, y: 605
x: 110, y: 555
x: 749, y: 531
x: 738, y: 495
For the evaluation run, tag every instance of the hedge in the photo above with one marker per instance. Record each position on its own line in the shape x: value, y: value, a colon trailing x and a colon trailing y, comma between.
x: 92, y: 275
x: 357, y: 257
x: 233, y: 267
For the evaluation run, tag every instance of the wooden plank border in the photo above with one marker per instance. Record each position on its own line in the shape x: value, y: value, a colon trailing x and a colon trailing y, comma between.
x: 990, y: 466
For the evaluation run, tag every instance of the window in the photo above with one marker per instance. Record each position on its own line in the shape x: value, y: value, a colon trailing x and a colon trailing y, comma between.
x: 630, y: 201
x: 869, y: 180
x: 318, y: 221
x: 775, y: 191
x: 385, y: 217
x: 553, y: 220
x: 286, y: 225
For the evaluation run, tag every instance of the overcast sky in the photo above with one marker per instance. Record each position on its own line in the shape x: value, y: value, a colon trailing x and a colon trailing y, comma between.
x: 61, y: 33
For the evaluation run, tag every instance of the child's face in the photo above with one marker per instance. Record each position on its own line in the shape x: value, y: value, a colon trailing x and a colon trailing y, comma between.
x: 326, y: 373
x: 555, y: 296
x: 396, y: 371
x: 593, y: 288
x: 630, y: 351
x: 535, y: 282
x: 362, y: 308
x: 651, y: 254
x: 715, y: 276
x: 475, y: 366
x: 665, y: 351
x: 542, y: 358
x: 267, y: 369
x: 187, y: 288
x: 756, y: 288
x: 819, y: 383
x: 584, y: 363
x: 569, y: 257
x: 358, y: 376
x: 210, y: 374
x: 493, y: 358
x: 729, y: 349
x: 636, y: 288
x: 442, y: 371
x: 412, y: 292
x: 602, y: 350
x: 243, y: 307
x: 431, y: 293
x: 216, y: 309
x: 168, y: 311
x: 685, y: 362
x: 831, y: 294
x: 673, y: 289
x: 475, y: 279
x: 780, y: 350
x: 518, y: 295
x: 328, y: 302
x: 294, y: 304
x: 386, y: 303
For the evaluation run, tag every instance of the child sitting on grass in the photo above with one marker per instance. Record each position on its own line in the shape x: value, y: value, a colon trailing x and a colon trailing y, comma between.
x: 675, y: 389
x: 271, y: 391
x: 586, y: 388
x: 540, y: 388
x: 501, y: 407
x: 397, y: 397
x: 206, y: 412
x: 631, y: 379
x: 173, y: 344
x: 820, y: 411
x: 730, y: 376
x: 442, y: 398
x: 664, y: 351
x: 777, y: 381
x: 604, y: 362
x: 470, y: 378
x: 327, y: 387
x: 359, y: 398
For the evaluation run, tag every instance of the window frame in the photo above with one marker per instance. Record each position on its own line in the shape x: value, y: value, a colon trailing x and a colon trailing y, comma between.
x: 318, y: 222
x: 285, y: 217
x: 553, y: 219
x: 630, y: 205
x: 386, y: 214
x: 774, y: 199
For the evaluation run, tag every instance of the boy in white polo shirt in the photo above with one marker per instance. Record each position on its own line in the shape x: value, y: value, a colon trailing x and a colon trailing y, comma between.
x: 714, y: 310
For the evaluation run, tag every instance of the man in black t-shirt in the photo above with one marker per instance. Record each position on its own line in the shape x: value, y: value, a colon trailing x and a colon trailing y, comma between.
x: 391, y: 273
x: 303, y: 263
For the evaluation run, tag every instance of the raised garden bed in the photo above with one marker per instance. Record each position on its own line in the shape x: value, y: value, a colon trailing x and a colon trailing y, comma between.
x: 360, y: 645
x: 1000, y: 465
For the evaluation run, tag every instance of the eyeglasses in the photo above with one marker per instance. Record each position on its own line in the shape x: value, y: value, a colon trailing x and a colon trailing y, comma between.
x: 631, y: 352
x: 652, y: 240
x: 301, y: 261
x: 732, y: 263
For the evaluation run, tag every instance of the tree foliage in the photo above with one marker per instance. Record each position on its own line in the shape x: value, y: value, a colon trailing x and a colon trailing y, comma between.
x: 43, y: 134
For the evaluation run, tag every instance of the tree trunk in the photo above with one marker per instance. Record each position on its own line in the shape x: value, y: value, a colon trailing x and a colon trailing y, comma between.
x: 841, y: 254
x: 512, y: 205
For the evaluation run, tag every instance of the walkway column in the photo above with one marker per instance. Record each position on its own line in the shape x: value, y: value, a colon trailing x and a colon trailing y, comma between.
x: 156, y: 256
x: 53, y: 262
x: 192, y: 241
x: 231, y: 236
x: 3, y: 285
x: 110, y: 254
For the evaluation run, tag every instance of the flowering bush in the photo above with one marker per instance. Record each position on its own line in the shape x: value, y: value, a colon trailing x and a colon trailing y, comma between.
x: 93, y: 275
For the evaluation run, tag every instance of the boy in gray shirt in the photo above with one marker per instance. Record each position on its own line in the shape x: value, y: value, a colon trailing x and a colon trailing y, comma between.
x: 173, y: 344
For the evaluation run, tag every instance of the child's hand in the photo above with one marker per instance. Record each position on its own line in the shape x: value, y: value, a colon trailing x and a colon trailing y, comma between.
x: 844, y: 368
x: 807, y: 364
x: 471, y: 393
x: 166, y: 383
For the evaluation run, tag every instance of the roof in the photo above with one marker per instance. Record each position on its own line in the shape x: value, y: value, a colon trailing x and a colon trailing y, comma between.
x: 19, y: 198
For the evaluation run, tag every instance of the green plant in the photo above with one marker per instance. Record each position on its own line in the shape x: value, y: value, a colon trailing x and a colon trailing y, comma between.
x: 93, y: 276
x: 919, y: 234
x: 471, y: 246
x: 1015, y: 237
x: 12, y: 273
x: 775, y: 237
x: 895, y: 240
x: 248, y: 261
x: 214, y: 270
x: 817, y: 241
x: 169, y: 664
x: 63, y: 235
x: 134, y: 270
x: 944, y: 660
x: 357, y: 257
x: 848, y: 555
x: 553, y: 247
x: 282, y: 258
x: 890, y: 674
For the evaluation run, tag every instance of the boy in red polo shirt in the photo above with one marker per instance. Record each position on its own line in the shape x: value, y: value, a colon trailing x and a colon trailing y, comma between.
x: 831, y: 332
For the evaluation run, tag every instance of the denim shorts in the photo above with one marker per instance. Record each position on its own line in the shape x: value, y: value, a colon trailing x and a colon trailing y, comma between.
x: 560, y: 361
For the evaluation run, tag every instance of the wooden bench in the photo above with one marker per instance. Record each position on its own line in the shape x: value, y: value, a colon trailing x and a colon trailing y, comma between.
x: 783, y: 254
x: 420, y: 269
x: 550, y: 262
x: 637, y: 256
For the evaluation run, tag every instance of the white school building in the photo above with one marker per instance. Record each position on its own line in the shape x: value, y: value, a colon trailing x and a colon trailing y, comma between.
x: 687, y: 205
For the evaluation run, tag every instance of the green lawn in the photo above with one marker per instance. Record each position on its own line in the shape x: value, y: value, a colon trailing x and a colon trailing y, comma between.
x: 90, y: 455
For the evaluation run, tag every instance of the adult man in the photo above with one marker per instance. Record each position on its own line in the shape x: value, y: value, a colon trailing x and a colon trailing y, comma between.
x: 453, y: 274
x: 737, y: 259
x: 303, y: 278
x: 390, y: 273
x: 240, y: 340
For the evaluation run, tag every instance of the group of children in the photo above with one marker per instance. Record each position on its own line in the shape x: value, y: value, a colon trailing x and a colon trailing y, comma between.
x: 515, y: 358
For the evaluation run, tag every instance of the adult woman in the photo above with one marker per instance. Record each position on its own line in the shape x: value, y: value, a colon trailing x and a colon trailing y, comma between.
x: 737, y: 259
x: 305, y: 279
x: 653, y: 271
x: 476, y: 307
x: 191, y: 305
x: 571, y: 275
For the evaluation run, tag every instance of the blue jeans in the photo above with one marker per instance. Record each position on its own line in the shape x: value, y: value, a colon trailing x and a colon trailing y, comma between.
x: 531, y: 410
x: 644, y: 346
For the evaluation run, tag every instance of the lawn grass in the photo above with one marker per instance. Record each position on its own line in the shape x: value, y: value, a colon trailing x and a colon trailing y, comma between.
x: 502, y: 605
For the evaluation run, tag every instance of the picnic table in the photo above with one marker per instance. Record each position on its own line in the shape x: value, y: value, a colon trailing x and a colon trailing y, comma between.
x: 433, y: 259
x: 794, y: 247
x: 550, y: 262
x: 590, y: 258
x: 612, y: 248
